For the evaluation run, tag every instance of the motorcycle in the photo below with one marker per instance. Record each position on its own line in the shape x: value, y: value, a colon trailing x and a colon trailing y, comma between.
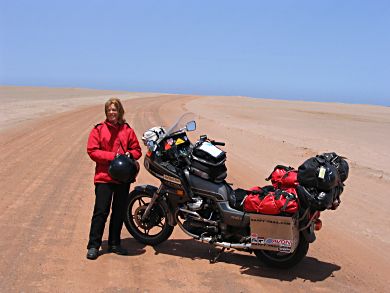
x: 204, y: 205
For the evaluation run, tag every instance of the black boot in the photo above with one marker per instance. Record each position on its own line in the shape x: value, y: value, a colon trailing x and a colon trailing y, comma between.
x: 93, y: 253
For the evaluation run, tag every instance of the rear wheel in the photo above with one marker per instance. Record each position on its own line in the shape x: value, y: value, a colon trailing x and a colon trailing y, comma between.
x: 284, y: 260
x: 155, y: 229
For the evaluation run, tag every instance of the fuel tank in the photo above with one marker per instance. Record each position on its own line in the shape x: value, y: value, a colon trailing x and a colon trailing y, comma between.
x: 219, y: 191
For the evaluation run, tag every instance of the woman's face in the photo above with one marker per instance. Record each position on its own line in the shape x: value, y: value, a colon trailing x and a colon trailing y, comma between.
x: 112, y: 114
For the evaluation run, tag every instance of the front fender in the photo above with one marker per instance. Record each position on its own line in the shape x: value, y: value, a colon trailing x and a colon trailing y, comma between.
x: 148, y: 189
x: 151, y: 190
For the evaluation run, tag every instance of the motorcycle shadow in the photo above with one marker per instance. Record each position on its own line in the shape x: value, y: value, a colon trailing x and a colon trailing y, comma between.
x: 310, y: 268
x: 132, y: 246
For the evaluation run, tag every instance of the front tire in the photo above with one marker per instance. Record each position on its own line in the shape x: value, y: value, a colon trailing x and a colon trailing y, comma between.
x: 155, y: 229
x: 284, y: 260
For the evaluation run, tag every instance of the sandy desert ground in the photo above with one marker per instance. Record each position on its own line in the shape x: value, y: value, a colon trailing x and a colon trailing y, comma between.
x: 47, y: 194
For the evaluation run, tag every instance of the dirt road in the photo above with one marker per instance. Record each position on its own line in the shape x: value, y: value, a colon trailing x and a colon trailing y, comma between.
x: 47, y: 199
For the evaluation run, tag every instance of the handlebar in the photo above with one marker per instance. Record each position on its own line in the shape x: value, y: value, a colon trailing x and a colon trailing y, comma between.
x: 217, y: 143
x: 204, y: 138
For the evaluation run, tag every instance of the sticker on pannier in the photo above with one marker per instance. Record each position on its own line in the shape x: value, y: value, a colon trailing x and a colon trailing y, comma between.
x: 275, y: 233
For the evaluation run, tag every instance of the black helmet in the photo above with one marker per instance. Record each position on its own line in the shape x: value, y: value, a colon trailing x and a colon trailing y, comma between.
x: 123, y: 169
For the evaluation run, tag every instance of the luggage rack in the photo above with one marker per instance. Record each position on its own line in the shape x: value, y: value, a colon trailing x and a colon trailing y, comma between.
x: 314, y: 217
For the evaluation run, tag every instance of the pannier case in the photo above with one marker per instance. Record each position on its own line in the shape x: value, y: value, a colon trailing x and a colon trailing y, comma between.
x: 274, y: 233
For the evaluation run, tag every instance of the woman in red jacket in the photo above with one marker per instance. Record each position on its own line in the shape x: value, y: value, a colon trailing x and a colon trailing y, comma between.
x: 107, y: 140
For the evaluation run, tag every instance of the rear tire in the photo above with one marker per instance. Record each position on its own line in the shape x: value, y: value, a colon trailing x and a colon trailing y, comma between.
x: 157, y: 222
x: 284, y: 260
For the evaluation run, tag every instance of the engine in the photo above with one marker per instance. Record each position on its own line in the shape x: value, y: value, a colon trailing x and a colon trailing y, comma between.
x: 200, y: 218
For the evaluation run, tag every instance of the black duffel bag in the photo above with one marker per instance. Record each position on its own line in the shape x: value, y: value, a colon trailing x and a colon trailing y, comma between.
x: 323, y: 172
x: 321, y: 181
x: 318, y: 173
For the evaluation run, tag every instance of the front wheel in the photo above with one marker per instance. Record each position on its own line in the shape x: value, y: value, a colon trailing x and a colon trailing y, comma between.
x: 284, y: 260
x: 155, y: 229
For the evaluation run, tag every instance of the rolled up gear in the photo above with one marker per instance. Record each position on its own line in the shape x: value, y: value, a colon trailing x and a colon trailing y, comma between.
x: 153, y: 134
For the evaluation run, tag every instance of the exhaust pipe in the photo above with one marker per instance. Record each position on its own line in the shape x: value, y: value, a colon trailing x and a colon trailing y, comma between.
x: 198, y: 217
x: 226, y: 244
x: 209, y: 240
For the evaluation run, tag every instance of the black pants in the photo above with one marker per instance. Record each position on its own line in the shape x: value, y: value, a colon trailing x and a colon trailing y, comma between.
x: 105, y: 193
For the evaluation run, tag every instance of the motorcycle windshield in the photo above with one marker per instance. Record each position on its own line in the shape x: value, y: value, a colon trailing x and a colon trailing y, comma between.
x: 180, y: 123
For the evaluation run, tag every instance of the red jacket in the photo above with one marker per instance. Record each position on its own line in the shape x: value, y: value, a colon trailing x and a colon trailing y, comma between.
x: 104, y: 143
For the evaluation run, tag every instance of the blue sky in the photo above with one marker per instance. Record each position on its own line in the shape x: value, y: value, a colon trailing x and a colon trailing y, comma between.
x: 303, y: 50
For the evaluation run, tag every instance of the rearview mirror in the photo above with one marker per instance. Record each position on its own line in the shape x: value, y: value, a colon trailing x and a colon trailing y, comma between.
x: 191, y: 126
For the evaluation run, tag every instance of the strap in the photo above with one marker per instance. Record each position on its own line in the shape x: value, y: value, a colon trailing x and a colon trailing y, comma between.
x: 255, y: 191
x: 242, y: 202
x: 288, y: 194
x: 278, y: 194
x: 288, y: 173
x: 286, y: 168
x: 100, y: 137
x: 124, y: 151
x: 320, y: 160
x: 285, y: 204
x: 263, y: 192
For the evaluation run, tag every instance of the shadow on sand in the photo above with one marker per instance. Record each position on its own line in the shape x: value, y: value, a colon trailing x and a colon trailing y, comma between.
x: 132, y: 246
x: 309, y: 269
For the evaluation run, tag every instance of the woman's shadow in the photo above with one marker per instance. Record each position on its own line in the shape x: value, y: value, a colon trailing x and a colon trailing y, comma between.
x: 309, y: 268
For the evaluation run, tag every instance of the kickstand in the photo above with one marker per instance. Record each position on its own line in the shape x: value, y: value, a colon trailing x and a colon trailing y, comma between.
x: 213, y: 259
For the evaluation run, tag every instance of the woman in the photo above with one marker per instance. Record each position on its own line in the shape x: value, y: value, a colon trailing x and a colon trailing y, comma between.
x: 107, y: 140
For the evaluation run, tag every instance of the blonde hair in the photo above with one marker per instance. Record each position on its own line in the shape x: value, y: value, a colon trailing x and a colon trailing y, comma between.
x: 118, y: 105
